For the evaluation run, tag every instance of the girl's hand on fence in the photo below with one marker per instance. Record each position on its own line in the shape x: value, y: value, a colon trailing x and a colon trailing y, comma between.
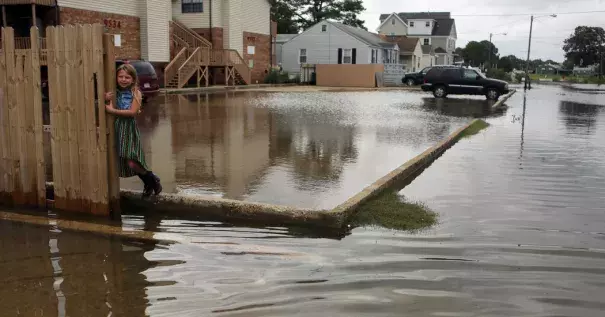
x: 108, y: 96
x: 109, y: 108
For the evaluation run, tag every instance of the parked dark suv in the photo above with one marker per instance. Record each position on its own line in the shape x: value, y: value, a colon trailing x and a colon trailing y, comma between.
x: 417, y: 78
x: 443, y: 81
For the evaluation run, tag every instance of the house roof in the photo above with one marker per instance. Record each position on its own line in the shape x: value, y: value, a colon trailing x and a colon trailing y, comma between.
x: 440, y: 50
x: 427, y: 49
x: 443, y: 27
x: 282, y: 38
x: 419, y: 15
x: 408, y: 44
x: 443, y: 20
x: 369, y: 38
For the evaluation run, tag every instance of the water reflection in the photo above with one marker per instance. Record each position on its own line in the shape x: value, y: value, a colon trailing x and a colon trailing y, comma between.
x: 462, y: 107
x: 579, y: 118
x: 308, y: 150
x: 47, y: 272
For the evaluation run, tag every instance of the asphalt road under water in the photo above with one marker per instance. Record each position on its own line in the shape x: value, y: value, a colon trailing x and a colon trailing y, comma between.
x: 521, y: 233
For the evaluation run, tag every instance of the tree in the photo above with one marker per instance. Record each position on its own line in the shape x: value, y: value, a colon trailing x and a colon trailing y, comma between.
x: 586, y: 46
x: 284, y: 15
x: 508, y: 63
x: 477, y: 53
x: 302, y: 14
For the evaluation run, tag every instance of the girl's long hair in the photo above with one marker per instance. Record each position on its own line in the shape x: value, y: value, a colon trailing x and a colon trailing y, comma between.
x: 132, y: 72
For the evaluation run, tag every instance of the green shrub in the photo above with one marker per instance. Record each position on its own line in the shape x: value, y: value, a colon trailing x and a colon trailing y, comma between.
x: 498, y: 74
x: 276, y: 77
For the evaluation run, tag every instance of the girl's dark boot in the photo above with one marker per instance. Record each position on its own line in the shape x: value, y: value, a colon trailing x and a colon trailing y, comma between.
x: 155, y: 183
x: 147, y: 185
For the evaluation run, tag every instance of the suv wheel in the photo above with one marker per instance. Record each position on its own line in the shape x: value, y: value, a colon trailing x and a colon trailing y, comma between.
x: 492, y: 94
x: 410, y: 82
x: 439, y: 92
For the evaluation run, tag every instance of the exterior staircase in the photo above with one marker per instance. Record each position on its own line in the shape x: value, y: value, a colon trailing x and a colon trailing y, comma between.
x: 195, y: 55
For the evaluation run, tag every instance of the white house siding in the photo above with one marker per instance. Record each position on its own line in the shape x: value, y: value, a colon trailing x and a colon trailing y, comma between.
x: 388, y: 28
x: 155, y: 34
x: 427, y: 60
x: 257, y: 16
x: 420, y: 27
x: 123, y: 7
x: 237, y: 9
x: 199, y: 20
x: 322, y: 47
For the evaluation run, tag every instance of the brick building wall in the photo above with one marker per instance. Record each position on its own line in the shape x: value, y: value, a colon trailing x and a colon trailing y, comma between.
x: 261, y: 57
x: 127, y: 26
x: 215, y: 36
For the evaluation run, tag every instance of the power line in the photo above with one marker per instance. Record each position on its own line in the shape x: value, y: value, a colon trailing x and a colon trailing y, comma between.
x: 509, y: 14
x: 526, y: 14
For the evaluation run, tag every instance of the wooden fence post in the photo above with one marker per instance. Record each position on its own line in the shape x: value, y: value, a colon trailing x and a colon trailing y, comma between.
x: 109, y: 75
x: 36, y: 92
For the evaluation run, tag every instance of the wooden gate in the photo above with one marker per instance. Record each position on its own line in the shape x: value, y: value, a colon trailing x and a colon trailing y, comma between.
x: 81, y: 67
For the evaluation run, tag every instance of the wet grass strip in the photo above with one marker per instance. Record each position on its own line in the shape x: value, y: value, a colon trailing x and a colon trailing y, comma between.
x: 391, y: 211
x: 474, y: 129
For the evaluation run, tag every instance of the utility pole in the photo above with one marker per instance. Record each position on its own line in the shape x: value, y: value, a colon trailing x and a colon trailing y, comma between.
x: 527, y: 83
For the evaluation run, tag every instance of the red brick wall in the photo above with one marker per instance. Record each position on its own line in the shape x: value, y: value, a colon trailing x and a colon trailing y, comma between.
x: 215, y: 36
x: 261, y: 57
x: 129, y: 28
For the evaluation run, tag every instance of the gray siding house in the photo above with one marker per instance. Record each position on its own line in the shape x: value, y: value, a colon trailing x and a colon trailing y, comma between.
x: 279, y: 44
x: 330, y: 42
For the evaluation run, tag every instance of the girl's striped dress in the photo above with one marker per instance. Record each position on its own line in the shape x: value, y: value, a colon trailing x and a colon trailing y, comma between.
x: 128, y: 136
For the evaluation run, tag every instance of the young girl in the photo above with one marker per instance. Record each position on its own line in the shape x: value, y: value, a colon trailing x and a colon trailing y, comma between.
x: 130, y: 152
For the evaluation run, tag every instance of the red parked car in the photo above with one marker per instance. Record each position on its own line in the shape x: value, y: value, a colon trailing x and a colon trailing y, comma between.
x: 148, y: 79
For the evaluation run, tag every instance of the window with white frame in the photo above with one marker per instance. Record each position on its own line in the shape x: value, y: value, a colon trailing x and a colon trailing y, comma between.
x: 428, y: 24
x: 192, y: 6
x: 347, y: 57
x: 393, y: 21
x: 302, y: 56
x: 412, y: 24
x: 324, y: 28
x: 427, y: 42
x: 374, y: 56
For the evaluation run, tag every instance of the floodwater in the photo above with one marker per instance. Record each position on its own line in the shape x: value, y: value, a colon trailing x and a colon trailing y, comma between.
x: 521, y: 233
x: 310, y: 149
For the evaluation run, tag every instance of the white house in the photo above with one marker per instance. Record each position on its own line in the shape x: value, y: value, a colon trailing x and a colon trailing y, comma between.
x: 330, y: 42
x: 436, y: 30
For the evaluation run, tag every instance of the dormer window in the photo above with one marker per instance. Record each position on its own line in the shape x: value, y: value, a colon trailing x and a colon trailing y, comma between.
x: 411, y: 24
x: 393, y: 21
x: 428, y: 24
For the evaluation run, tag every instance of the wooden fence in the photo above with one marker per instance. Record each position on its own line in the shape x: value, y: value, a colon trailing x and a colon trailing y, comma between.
x: 81, y: 67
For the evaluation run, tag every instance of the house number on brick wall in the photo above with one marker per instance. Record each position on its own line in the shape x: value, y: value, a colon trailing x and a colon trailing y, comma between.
x: 111, y: 23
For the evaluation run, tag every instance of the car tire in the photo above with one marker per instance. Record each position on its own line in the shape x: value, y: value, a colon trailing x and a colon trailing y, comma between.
x: 492, y: 94
x: 410, y: 82
x: 439, y: 91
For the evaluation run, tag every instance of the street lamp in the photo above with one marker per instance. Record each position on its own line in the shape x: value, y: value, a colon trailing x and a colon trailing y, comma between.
x: 489, y: 58
x: 531, y: 26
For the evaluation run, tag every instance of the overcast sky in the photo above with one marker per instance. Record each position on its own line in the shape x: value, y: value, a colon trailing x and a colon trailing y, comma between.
x: 548, y: 34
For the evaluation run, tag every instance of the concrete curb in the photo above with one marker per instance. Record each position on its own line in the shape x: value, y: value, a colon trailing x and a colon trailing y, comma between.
x: 84, y: 226
x: 400, y: 174
x: 210, y: 207
x: 220, y: 88
x: 262, y: 87
x: 503, y: 99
